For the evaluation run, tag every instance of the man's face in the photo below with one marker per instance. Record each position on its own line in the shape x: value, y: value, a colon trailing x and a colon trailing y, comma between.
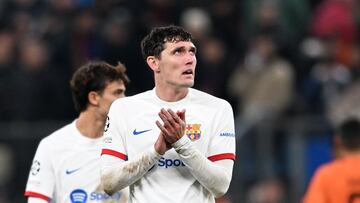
x: 177, y: 64
x: 113, y: 91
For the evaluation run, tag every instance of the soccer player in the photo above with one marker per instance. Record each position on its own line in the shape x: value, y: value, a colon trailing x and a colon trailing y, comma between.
x: 172, y: 143
x: 66, y: 164
x: 339, y: 180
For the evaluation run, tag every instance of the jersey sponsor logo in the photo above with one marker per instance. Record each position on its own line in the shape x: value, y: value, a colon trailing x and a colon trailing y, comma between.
x: 226, y: 134
x: 35, y: 168
x: 68, y: 172
x: 101, y: 196
x: 167, y: 163
x: 193, y: 131
x: 107, y: 124
x: 78, y: 196
x: 140, y: 132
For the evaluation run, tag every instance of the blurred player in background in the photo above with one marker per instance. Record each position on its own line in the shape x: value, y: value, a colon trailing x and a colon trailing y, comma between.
x: 339, y: 181
x: 66, y: 164
x: 187, y: 157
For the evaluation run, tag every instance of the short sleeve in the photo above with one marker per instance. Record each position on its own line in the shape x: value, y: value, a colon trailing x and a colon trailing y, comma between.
x: 41, y: 181
x: 222, y: 143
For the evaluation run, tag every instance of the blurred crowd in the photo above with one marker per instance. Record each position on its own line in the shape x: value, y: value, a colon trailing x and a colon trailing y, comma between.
x: 271, y: 59
x: 267, y: 57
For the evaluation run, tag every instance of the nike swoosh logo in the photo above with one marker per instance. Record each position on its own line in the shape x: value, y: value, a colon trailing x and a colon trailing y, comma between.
x: 68, y: 172
x: 140, y: 132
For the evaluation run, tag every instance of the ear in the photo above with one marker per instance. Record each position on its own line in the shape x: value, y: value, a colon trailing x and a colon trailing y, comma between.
x: 153, y: 63
x: 93, y: 98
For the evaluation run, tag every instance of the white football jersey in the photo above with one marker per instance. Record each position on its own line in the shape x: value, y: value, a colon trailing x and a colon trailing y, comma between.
x: 131, y: 129
x: 66, y: 169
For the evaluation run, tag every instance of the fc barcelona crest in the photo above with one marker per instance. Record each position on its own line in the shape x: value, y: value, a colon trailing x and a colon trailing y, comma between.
x: 193, y: 131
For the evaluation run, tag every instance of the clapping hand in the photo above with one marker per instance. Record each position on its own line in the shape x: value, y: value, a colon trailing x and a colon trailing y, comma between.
x: 173, y: 127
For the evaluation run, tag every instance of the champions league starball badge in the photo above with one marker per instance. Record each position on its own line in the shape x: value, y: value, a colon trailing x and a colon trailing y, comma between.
x: 107, y: 124
x: 35, y: 168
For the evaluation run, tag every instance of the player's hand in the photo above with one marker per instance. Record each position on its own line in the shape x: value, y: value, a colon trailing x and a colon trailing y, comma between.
x: 181, y: 114
x: 161, y: 146
x: 173, y: 127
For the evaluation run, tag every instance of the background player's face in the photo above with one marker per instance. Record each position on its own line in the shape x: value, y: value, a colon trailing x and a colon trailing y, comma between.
x: 177, y: 64
x: 113, y: 91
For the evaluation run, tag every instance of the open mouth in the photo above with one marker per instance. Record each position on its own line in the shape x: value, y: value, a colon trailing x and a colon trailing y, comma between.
x: 188, y: 72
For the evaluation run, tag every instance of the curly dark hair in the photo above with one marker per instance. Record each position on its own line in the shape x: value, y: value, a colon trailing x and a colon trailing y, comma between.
x: 153, y: 43
x: 94, y: 76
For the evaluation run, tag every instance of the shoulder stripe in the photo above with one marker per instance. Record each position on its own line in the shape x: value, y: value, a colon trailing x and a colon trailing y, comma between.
x: 222, y: 156
x: 114, y: 153
x: 37, y: 195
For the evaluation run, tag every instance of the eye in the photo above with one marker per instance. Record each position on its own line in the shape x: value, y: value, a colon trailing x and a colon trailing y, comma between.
x: 177, y: 51
x: 193, y: 50
x: 119, y: 92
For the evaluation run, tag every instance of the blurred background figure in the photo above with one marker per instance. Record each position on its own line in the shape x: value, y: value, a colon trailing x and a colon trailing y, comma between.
x: 7, y: 56
x: 37, y: 83
x: 347, y: 105
x: 6, y: 171
x: 74, y: 148
x: 341, y: 28
x: 339, y: 180
x: 263, y: 85
x: 267, y: 191
x: 198, y: 22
